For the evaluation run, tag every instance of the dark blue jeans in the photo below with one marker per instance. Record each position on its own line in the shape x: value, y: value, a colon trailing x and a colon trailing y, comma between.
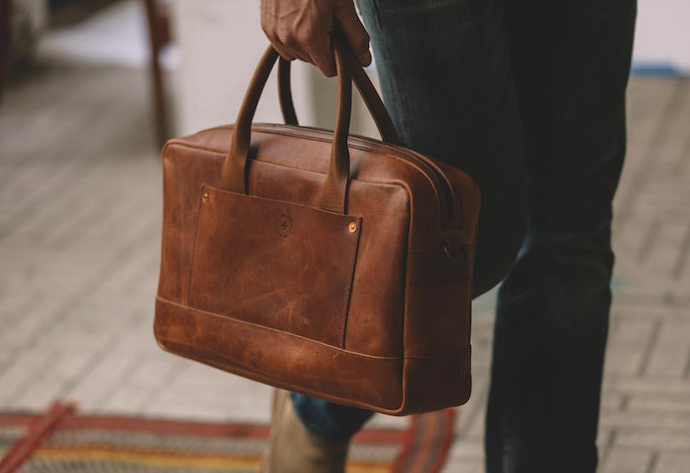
x: 528, y: 97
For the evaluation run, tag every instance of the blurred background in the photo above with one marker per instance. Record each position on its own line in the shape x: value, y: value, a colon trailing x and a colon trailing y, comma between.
x: 89, y: 90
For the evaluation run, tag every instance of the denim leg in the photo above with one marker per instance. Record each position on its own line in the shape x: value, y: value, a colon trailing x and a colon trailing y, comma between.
x: 446, y: 78
x: 447, y: 83
x: 328, y: 419
x: 571, y: 63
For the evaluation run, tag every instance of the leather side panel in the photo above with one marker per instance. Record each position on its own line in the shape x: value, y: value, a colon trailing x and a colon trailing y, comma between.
x: 274, y: 263
x: 447, y: 264
x: 442, y: 317
x: 438, y: 304
x: 280, y: 359
x: 439, y: 382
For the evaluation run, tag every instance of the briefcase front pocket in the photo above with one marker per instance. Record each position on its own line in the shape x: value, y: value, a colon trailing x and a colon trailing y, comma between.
x: 276, y: 264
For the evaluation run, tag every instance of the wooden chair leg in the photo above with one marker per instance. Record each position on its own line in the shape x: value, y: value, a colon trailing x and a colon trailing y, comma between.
x: 157, y: 40
x: 5, y: 13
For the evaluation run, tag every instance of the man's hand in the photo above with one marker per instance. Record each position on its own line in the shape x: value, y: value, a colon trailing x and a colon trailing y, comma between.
x: 300, y: 29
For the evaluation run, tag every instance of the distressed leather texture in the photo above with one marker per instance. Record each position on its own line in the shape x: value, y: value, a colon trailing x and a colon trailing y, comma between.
x: 364, y: 300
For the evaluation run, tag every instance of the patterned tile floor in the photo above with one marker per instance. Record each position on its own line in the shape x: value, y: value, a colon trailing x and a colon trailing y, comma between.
x: 80, y: 205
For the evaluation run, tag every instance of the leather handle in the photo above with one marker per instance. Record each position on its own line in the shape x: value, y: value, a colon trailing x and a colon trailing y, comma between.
x: 287, y: 105
x: 234, y: 173
x: 366, y: 89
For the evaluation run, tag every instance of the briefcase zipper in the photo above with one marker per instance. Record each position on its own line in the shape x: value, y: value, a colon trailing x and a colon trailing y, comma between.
x: 427, y: 165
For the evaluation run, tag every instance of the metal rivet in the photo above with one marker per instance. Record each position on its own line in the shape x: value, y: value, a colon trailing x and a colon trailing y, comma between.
x: 205, y: 196
x: 353, y: 227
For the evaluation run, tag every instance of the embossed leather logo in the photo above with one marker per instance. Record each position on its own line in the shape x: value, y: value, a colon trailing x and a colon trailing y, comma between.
x: 283, y: 226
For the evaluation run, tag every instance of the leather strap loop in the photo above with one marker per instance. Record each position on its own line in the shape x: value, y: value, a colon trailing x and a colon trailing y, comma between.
x: 234, y: 173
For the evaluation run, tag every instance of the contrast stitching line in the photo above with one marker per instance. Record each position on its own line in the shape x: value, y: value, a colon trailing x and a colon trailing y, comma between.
x: 196, y: 232
x: 348, y: 290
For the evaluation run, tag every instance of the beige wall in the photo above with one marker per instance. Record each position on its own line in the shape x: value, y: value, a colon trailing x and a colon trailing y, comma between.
x: 663, y: 33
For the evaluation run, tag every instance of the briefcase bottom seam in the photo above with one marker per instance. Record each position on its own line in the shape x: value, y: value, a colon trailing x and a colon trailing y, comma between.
x: 270, y: 329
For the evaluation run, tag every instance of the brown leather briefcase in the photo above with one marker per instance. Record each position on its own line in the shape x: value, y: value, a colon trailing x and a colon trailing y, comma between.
x: 331, y: 265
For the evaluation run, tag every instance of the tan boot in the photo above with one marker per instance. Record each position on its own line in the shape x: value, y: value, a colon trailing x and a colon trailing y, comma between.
x: 294, y: 449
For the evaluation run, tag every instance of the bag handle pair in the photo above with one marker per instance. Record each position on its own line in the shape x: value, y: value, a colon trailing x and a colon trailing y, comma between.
x: 234, y: 173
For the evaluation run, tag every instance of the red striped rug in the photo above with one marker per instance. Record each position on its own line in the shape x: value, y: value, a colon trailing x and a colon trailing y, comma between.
x: 62, y: 440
